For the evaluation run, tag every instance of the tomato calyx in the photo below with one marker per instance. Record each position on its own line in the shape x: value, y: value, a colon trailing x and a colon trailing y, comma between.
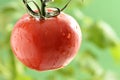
x: 42, y: 13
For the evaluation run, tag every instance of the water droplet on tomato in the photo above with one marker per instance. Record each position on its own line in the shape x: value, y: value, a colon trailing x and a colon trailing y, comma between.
x: 16, y: 49
x: 55, y: 61
x: 29, y: 40
x: 68, y: 36
x: 63, y: 52
x: 15, y: 36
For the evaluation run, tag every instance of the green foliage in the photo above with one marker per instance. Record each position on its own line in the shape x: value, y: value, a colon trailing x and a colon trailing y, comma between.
x: 98, y: 58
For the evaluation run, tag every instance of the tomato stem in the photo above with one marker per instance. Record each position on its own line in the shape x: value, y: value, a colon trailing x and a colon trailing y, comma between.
x: 42, y: 13
x: 43, y: 5
x: 32, y: 12
x: 66, y: 5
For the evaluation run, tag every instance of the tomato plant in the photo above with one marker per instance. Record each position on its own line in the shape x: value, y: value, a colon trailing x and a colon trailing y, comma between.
x: 45, y: 39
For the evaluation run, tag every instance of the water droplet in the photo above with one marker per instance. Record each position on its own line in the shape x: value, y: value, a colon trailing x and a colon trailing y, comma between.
x: 64, y: 53
x: 16, y: 49
x: 15, y: 36
x: 69, y: 35
x: 55, y: 63
x: 28, y: 40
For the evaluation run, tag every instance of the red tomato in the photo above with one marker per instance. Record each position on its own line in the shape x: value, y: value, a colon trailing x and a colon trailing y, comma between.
x: 46, y: 44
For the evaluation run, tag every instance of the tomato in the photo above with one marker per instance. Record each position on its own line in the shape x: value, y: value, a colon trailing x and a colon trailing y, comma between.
x: 46, y: 44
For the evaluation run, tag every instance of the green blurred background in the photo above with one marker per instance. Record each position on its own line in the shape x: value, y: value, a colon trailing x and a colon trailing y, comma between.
x: 98, y: 57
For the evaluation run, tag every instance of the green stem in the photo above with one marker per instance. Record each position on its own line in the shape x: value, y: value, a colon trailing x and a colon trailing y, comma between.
x: 42, y: 12
x: 13, y: 66
x: 43, y: 5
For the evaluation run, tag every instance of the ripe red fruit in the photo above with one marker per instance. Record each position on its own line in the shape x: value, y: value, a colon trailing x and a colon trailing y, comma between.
x: 46, y: 44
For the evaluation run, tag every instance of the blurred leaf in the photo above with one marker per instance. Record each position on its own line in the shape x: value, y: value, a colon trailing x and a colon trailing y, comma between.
x: 90, y: 64
x: 66, y: 72
x: 102, y: 35
x: 8, y: 10
x: 116, y: 53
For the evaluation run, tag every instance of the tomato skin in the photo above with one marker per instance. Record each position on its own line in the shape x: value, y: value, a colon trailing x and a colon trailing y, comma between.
x: 46, y: 44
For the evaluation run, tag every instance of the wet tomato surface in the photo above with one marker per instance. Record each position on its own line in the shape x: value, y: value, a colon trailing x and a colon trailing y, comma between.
x: 46, y: 44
